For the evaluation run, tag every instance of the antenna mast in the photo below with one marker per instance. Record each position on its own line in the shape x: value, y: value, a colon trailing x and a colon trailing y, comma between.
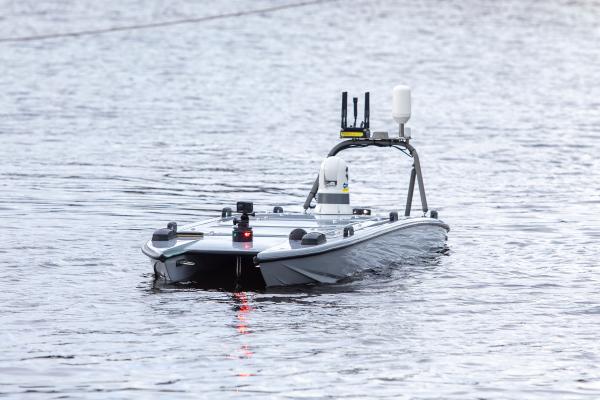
x: 355, y: 131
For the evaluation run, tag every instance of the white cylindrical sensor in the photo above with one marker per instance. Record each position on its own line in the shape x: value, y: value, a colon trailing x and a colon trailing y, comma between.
x: 401, y: 104
x: 333, y: 196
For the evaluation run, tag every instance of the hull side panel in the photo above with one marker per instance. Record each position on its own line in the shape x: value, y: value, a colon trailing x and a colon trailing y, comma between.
x: 171, y: 272
x: 337, y: 264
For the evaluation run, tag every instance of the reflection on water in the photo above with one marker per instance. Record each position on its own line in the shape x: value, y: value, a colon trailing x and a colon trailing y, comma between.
x: 243, y: 309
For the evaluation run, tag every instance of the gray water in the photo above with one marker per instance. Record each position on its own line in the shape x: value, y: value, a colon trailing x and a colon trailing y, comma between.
x: 107, y: 137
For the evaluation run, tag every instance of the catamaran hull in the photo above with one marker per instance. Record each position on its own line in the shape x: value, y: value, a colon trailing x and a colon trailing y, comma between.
x: 376, y: 252
x: 409, y: 239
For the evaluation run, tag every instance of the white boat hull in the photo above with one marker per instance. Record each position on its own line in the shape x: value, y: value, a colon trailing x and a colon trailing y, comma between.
x: 272, y: 259
x: 376, y: 252
x: 169, y: 271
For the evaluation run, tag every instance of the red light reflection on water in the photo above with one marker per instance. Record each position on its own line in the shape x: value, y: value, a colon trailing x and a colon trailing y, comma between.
x: 246, y: 351
x: 243, y: 309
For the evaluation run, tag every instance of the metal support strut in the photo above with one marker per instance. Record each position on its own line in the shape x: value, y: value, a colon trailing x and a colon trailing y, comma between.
x: 411, y: 190
x: 394, y: 142
x: 238, y: 267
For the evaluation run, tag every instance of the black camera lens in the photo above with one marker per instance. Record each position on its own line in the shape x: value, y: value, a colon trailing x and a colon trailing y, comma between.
x: 245, y: 207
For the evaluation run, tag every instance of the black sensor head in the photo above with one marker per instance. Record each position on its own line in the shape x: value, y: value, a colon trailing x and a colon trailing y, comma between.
x: 245, y: 207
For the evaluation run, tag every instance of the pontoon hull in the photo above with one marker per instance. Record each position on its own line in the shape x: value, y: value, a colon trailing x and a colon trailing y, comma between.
x: 171, y: 272
x: 376, y: 252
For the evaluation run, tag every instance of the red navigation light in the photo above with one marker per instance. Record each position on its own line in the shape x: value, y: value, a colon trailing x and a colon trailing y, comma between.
x: 242, y: 232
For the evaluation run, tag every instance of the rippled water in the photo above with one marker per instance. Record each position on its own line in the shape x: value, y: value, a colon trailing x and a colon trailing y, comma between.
x: 104, y: 138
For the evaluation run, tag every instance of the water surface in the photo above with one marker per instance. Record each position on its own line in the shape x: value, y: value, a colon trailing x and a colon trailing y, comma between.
x: 105, y: 138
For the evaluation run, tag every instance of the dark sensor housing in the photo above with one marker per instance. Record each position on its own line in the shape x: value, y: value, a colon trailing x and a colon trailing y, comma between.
x: 245, y: 207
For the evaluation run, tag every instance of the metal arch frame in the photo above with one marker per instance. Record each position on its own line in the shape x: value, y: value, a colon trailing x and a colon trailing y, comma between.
x: 415, y: 173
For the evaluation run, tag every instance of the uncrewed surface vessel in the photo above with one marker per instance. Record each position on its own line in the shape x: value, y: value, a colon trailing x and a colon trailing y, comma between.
x: 324, y: 244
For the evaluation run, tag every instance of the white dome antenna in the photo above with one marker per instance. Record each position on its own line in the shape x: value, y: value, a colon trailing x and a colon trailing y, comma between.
x: 401, y: 106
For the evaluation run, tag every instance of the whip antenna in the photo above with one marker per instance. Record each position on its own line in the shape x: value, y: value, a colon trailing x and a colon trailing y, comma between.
x: 367, y: 110
x: 344, y: 110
